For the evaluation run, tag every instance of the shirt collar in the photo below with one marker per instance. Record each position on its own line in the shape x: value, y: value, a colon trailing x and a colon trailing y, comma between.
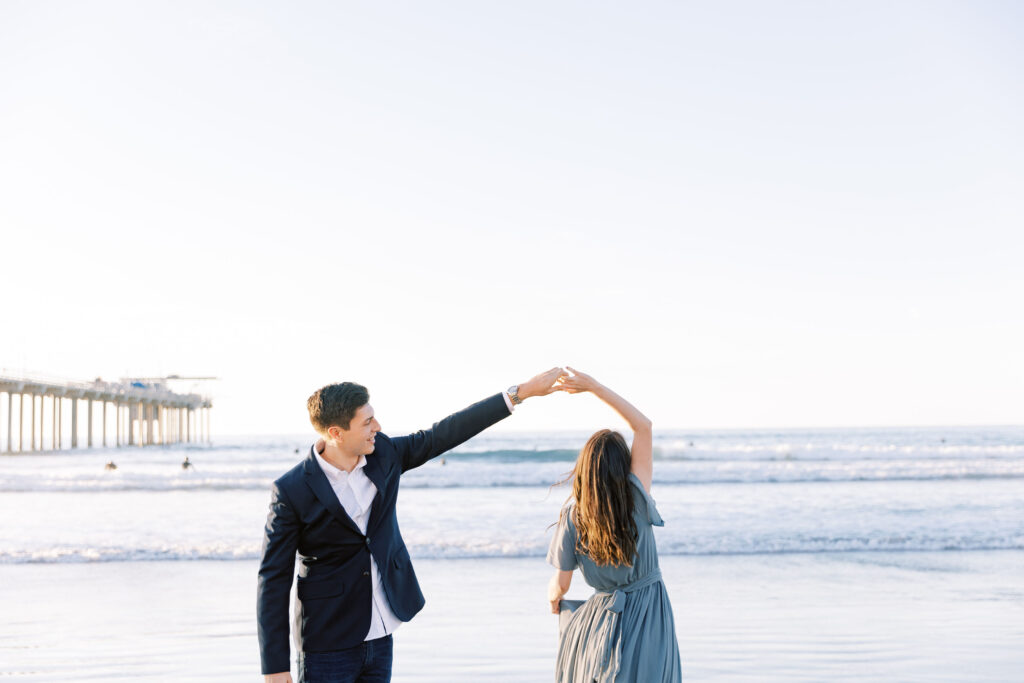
x: 333, y: 472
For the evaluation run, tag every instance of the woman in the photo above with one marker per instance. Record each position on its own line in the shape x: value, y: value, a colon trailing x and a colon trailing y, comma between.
x: 625, y: 632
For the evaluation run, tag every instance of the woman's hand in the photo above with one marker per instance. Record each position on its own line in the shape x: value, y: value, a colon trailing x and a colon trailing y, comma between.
x: 578, y: 382
x: 557, y: 587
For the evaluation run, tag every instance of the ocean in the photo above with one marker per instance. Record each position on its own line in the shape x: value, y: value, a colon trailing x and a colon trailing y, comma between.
x: 816, y: 515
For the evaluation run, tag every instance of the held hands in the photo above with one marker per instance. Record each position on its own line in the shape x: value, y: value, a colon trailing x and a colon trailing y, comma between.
x: 558, y: 379
x: 543, y: 384
x: 283, y: 677
x: 576, y: 383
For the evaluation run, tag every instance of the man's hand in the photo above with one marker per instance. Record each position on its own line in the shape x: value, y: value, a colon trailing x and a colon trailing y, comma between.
x: 577, y: 383
x: 283, y: 677
x: 543, y: 384
x: 556, y: 606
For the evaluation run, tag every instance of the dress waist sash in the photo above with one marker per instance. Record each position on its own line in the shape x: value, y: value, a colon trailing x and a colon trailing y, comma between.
x: 606, y: 633
x: 618, y: 595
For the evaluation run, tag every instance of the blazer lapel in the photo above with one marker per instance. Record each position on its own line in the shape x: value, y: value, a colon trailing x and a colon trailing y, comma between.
x: 376, y: 475
x: 317, y: 481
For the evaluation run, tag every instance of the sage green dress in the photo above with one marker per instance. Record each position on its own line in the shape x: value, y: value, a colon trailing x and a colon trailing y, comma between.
x: 625, y: 632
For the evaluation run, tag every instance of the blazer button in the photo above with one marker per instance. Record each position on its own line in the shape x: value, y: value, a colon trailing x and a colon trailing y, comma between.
x: 366, y: 573
x: 367, y: 541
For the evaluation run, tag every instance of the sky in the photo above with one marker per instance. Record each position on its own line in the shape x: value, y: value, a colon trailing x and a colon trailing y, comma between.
x: 737, y: 215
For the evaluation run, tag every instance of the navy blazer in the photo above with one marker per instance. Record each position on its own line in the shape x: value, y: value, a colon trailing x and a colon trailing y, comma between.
x: 332, y: 610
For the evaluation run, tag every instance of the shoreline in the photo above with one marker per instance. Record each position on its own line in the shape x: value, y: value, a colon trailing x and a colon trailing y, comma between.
x: 833, y: 554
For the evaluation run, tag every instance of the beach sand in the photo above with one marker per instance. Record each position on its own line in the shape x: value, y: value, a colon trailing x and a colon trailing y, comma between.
x: 942, y: 616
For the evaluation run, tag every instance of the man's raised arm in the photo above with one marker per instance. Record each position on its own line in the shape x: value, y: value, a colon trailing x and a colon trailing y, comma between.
x: 415, y: 449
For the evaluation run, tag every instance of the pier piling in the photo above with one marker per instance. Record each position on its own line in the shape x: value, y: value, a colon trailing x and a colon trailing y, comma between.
x: 10, y: 412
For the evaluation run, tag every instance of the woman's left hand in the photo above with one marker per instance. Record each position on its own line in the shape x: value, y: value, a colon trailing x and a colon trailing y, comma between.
x: 557, y: 588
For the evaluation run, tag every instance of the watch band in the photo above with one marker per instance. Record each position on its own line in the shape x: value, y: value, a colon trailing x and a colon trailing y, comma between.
x: 513, y: 394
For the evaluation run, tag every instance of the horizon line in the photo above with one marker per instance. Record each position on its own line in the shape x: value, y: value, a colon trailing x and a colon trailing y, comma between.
x: 687, y: 429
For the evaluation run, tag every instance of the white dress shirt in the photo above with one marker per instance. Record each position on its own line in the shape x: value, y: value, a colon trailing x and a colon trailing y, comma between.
x: 356, y: 492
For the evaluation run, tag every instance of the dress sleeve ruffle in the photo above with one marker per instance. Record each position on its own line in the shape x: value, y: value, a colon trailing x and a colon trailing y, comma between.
x: 562, y: 551
x: 653, y: 516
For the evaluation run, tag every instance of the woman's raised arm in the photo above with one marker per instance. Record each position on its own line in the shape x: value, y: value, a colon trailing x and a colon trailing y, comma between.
x: 642, y: 451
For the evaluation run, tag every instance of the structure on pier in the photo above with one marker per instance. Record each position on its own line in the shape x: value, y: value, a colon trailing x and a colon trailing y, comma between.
x: 143, y: 412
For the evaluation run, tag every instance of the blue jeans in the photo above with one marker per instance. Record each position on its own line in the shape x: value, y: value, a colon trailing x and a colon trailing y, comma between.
x: 368, y: 662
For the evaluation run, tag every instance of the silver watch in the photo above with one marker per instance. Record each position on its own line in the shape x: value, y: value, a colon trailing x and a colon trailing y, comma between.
x: 513, y: 394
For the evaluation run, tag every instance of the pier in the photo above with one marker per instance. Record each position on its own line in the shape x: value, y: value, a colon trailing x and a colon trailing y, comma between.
x: 129, y: 412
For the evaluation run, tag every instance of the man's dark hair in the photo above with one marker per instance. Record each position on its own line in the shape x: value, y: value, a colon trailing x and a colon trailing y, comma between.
x: 336, y: 405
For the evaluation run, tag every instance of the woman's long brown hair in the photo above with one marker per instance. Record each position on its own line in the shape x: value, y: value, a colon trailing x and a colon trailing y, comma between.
x: 606, y: 530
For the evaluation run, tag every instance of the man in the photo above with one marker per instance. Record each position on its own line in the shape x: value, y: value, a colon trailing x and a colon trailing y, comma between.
x: 336, y: 509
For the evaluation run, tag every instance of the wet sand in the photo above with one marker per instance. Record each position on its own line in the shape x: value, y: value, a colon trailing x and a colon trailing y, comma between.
x: 949, y: 616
